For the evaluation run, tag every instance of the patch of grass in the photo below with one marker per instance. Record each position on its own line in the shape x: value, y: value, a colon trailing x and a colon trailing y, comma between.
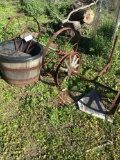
x: 34, y: 127
x: 100, y: 42
x: 7, y: 9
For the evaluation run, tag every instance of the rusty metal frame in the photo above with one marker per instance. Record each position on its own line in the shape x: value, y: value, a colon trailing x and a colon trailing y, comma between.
x: 116, y: 101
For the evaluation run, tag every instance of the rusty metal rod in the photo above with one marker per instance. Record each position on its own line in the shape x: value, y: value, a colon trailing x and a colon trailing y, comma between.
x: 112, y: 53
x: 21, y: 46
x: 29, y: 45
x: 115, y: 103
x: 16, y: 45
x: 113, y: 50
x: 93, y: 81
x: 102, y: 71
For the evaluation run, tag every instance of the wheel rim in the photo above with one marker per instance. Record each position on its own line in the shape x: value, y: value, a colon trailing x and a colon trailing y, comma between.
x: 67, y: 65
x: 21, y: 23
x: 65, y: 39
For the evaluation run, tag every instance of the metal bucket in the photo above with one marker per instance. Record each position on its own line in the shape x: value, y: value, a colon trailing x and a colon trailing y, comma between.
x: 18, y: 67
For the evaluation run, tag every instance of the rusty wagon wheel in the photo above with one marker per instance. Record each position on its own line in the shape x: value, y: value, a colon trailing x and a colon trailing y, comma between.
x: 62, y: 42
x: 20, y: 25
x: 69, y: 63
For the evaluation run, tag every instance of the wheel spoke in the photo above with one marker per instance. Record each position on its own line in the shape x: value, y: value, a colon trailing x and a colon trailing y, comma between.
x: 70, y: 60
x: 68, y: 41
x: 77, y: 60
x: 74, y: 63
x: 77, y: 65
x: 66, y: 63
x: 19, y: 24
x: 73, y: 60
x: 66, y: 79
x: 72, y: 47
x: 64, y: 69
x: 26, y: 25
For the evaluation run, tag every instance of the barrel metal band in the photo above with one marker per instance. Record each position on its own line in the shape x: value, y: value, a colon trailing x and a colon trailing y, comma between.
x: 23, y: 80
x: 22, y: 70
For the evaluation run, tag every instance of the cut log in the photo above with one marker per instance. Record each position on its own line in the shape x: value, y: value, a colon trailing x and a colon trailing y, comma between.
x: 84, y: 16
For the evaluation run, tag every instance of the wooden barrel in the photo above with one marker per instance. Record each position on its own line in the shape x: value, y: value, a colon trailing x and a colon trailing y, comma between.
x: 20, y: 68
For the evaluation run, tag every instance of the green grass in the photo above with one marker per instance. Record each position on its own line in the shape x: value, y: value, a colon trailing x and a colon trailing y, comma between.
x: 35, y: 126
x: 40, y: 122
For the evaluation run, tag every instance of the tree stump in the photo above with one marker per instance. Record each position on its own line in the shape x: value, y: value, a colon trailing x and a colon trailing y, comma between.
x: 84, y: 16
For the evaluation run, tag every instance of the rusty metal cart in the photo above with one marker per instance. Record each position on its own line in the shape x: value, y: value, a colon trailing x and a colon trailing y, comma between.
x: 70, y: 63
